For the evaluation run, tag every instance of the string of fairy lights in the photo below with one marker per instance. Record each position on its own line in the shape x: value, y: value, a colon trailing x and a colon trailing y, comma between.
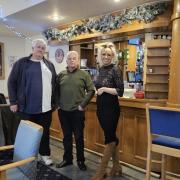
x: 13, y: 29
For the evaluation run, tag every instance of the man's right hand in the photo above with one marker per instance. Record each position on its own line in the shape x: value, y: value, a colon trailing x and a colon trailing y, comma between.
x: 14, y: 108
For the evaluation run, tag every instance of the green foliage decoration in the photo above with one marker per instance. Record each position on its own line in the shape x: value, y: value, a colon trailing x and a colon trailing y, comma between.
x: 144, y: 13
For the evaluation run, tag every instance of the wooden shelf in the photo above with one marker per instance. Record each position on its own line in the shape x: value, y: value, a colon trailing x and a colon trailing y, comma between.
x: 158, y: 43
x: 158, y: 52
x: 156, y: 91
x: 157, y: 64
x: 157, y: 68
x: 86, y: 51
x: 156, y: 82
x: 158, y: 61
x: 156, y: 47
x: 156, y: 95
x: 150, y: 55
x: 157, y: 73
x: 86, y: 48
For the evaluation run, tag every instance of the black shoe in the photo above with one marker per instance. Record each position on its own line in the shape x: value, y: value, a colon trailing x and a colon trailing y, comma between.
x: 81, y: 166
x: 64, y: 163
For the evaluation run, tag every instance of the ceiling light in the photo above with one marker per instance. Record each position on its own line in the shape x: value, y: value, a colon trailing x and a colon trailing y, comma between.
x: 116, y: 0
x: 56, y: 18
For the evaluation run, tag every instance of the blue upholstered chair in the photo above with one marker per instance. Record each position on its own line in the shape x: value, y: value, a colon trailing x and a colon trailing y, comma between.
x: 163, y: 126
x: 26, y: 149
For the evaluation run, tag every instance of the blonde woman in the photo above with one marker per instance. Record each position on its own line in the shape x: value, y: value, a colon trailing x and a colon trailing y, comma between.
x: 109, y: 86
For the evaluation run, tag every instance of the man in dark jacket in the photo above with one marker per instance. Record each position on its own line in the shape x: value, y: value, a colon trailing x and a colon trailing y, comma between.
x: 31, y: 88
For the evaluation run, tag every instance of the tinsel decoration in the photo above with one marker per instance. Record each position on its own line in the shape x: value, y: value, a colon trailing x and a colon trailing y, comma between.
x: 144, y: 13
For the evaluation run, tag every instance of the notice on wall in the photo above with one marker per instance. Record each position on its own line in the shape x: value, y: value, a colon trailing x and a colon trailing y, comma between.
x: 57, y: 55
x: 12, y: 60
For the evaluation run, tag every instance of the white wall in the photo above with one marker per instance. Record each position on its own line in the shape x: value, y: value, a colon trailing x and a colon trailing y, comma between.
x: 13, y: 46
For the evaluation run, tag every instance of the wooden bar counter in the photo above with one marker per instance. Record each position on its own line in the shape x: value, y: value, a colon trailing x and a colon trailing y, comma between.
x: 131, y: 131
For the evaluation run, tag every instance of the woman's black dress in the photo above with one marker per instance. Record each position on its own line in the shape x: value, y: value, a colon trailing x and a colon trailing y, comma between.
x: 108, y: 109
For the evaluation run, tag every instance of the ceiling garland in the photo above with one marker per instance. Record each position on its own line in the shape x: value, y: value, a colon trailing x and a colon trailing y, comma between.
x: 144, y: 13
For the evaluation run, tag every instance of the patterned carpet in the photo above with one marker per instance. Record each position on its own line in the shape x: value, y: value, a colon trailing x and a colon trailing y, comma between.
x: 43, y: 172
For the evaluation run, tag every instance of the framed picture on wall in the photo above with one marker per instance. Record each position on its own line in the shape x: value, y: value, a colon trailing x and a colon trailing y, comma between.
x: 2, y: 70
x: 57, y: 55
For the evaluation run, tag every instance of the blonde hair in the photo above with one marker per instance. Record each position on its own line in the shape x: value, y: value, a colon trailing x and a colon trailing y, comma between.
x: 111, y: 46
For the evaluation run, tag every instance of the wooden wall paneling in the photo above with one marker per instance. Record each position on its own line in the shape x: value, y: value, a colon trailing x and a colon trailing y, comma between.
x: 90, y: 129
x: 173, y: 163
x: 120, y: 131
x: 55, y: 130
x: 95, y: 133
x: 128, y: 134
x: 131, y: 132
x: 140, y: 137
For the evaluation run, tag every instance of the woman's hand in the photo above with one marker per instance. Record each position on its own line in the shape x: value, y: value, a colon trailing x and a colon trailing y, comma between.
x: 100, y: 91
x: 107, y: 90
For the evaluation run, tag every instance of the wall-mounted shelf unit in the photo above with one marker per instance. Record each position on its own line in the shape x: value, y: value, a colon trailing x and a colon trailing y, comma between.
x: 157, y: 69
x: 86, y: 51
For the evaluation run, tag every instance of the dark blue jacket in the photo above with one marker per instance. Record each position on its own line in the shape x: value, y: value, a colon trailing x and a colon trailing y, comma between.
x: 16, y: 82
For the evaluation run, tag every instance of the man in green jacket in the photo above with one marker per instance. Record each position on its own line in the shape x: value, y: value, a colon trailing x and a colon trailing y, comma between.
x: 75, y: 89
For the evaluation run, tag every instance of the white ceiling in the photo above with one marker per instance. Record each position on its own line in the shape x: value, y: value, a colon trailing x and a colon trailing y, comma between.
x: 31, y: 17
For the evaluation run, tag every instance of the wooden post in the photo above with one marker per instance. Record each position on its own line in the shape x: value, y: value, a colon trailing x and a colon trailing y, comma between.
x: 174, y: 82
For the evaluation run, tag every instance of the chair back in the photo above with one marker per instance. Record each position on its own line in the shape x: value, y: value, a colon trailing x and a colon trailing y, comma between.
x: 27, y: 140
x: 2, y: 99
x: 26, y: 145
x: 164, y: 121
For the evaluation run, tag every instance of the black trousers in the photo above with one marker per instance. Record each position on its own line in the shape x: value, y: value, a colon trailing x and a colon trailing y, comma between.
x: 72, y: 122
x: 43, y: 119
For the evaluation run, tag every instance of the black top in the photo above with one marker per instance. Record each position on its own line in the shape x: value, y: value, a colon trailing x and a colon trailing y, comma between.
x: 110, y: 76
